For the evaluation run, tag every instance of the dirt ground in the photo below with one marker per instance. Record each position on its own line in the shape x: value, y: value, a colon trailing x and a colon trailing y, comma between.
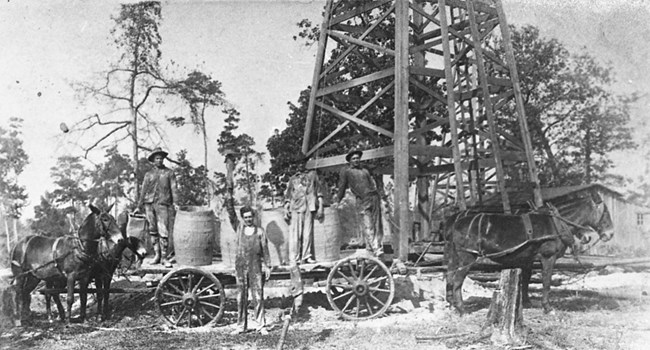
x: 606, y: 309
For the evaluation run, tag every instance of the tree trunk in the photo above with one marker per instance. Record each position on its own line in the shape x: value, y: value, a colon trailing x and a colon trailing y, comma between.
x: 505, y: 312
x: 8, y: 234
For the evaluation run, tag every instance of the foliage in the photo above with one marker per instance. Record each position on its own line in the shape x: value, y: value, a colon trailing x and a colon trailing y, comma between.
x: 192, y: 189
x: 13, y: 160
x: 49, y: 220
x: 70, y: 177
x: 247, y: 159
x: 112, y: 179
x: 199, y: 91
x: 128, y: 89
x: 574, y: 119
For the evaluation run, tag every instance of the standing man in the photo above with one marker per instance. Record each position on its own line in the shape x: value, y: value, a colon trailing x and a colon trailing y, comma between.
x: 363, y: 186
x: 251, y: 260
x: 303, y: 201
x: 158, y: 195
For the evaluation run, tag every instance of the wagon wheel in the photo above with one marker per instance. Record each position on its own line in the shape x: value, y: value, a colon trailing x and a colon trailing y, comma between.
x: 360, y: 288
x: 190, y: 297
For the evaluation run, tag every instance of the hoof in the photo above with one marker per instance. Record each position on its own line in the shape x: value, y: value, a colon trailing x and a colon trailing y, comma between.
x: 18, y: 323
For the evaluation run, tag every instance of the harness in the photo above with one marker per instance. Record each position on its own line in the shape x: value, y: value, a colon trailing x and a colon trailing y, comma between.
x: 528, y: 228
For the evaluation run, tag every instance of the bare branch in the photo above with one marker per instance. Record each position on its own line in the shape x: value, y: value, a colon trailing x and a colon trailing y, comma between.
x: 87, y: 150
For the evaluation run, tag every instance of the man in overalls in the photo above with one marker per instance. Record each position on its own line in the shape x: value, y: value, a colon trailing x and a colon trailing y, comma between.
x: 251, y: 260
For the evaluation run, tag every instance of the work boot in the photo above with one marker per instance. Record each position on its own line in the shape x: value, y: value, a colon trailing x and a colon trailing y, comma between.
x: 155, y: 242
x: 164, y: 243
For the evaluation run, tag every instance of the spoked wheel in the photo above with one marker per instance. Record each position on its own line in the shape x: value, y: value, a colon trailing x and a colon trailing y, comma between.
x: 360, y: 288
x: 190, y: 297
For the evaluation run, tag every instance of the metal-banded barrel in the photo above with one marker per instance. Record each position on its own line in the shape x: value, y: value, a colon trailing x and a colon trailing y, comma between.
x: 194, y: 235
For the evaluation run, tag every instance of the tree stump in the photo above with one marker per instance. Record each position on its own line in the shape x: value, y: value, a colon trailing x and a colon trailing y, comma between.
x: 505, y: 313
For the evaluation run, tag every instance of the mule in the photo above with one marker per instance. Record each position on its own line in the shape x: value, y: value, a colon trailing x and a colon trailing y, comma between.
x: 516, y: 241
x: 109, y: 258
x: 37, y: 258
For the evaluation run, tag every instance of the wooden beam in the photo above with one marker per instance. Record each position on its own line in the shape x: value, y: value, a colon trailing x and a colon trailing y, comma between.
x: 352, y: 47
x: 430, y: 72
x: 487, y: 101
x: 521, y: 113
x: 357, y: 11
x: 320, y: 58
x: 401, y: 142
x: 356, y: 115
x: 356, y: 82
x: 355, y: 120
x: 358, y: 42
x: 451, y: 103
x: 340, y: 159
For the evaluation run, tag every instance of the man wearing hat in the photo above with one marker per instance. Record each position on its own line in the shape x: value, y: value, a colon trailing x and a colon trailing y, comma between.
x: 158, y: 196
x: 359, y: 180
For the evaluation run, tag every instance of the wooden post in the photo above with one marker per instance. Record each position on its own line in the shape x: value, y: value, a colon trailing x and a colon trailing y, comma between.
x: 487, y: 104
x: 505, y: 312
x: 521, y: 113
x: 401, y: 141
x: 451, y: 106
x: 320, y: 58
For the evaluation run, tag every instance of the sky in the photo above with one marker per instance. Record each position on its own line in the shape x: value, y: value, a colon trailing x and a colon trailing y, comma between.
x: 248, y: 46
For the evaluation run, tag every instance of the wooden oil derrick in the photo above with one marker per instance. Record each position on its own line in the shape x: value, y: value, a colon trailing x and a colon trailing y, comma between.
x: 430, y: 68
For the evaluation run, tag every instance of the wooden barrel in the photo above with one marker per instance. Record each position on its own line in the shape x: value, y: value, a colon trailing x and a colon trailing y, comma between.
x: 327, y: 236
x: 194, y: 231
x: 277, y: 231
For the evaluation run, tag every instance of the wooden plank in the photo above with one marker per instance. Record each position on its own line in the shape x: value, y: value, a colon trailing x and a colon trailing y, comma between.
x: 356, y: 41
x: 428, y: 90
x: 320, y: 58
x: 451, y: 103
x: 425, y: 47
x: 430, y: 126
x: 430, y: 72
x: 487, y: 101
x: 357, y: 11
x: 480, y: 6
x: 356, y: 115
x: 352, y: 47
x: 340, y: 159
x: 521, y: 113
x: 401, y: 141
x: 355, y: 120
x: 356, y: 82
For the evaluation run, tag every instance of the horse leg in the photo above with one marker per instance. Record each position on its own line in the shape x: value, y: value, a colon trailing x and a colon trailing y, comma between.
x: 99, y: 285
x: 526, y: 273
x: 465, y: 261
x: 106, y: 314
x: 70, y: 294
x: 83, y: 297
x: 452, y: 265
x: 25, y: 285
x: 48, y: 301
x: 547, y: 273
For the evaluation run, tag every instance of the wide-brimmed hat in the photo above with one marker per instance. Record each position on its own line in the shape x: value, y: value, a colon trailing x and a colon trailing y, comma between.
x: 353, y: 152
x: 156, y: 151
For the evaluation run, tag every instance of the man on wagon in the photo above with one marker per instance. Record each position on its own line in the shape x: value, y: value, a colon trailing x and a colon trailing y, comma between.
x: 303, y: 202
x: 158, y: 196
x: 252, y: 259
x: 359, y: 180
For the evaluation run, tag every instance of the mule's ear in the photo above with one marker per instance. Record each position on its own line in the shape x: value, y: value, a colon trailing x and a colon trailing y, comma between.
x: 94, y: 209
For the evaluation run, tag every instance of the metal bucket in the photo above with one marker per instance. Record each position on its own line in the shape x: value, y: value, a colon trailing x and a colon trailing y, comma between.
x: 137, y: 226
x: 194, y: 235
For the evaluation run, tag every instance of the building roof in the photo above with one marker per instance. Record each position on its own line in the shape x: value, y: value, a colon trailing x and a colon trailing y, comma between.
x: 521, y: 198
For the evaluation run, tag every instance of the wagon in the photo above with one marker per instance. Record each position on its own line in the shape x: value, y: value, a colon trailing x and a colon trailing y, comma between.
x: 358, y: 285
